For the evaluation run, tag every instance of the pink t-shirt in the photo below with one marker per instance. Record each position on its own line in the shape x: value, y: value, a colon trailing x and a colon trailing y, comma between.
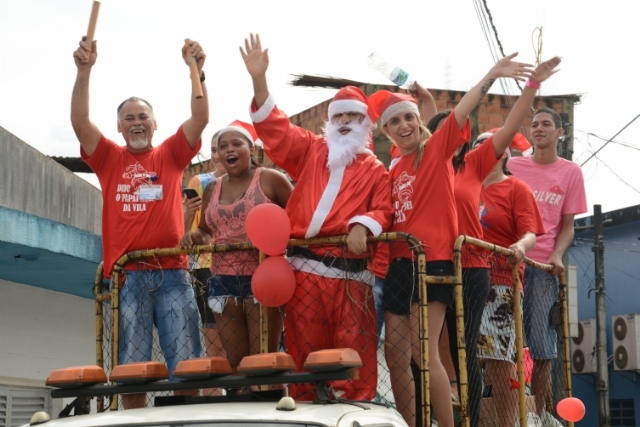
x: 558, y: 188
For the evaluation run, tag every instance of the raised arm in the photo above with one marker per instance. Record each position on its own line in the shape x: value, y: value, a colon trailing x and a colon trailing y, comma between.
x: 86, y: 131
x: 503, y: 68
x: 199, y: 119
x: 257, y: 61
x: 425, y: 100
x: 503, y: 137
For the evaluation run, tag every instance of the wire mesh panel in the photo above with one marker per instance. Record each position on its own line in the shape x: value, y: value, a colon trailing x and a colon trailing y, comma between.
x: 524, y: 323
x: 339, y: 301
x: 160, y: 312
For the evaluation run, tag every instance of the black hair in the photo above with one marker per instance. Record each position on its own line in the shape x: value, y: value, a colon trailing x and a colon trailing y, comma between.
x: 557, y: 120
x: 132, y: 99
x: 458, y: 159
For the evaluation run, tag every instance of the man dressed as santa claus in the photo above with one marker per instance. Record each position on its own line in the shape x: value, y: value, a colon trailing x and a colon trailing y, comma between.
x: 341, y: 188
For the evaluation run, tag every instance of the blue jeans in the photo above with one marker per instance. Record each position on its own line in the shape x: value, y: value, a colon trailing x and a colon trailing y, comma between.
x: 540, y: 294
x: 378, y: 291
x: 163, y: 298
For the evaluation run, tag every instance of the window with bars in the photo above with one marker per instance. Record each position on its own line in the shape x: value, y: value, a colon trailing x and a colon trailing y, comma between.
x: 622, y: 412
x: 18, y: 404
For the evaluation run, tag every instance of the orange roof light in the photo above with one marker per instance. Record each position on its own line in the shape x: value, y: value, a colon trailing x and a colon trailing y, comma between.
x: 77, y: 376
x: 139, y: 372
x: 202, y: 368
x: 265, y: 364
x: 335, y: 359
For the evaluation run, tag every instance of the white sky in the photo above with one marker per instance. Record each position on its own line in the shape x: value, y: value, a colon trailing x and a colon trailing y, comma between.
x: 139, y: 46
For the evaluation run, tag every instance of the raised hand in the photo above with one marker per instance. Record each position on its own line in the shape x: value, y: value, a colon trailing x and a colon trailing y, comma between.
x: 546, y: 69
x: 82, y: 57
x: 196, y: 51
x: 419, y: 93
x: 512, y: 69
x: 255, y: 59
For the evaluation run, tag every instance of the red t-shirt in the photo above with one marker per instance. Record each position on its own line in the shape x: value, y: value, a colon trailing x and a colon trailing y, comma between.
x: 423, y: 200
x: 468, y: 183
x: 509, y: 211
x: 127, y: 222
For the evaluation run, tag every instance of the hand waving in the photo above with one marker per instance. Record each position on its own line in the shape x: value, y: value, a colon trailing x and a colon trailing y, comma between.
x: 82, y: 54
x: 512, y: 69
x: 546, y: 69
x: 255, y: 59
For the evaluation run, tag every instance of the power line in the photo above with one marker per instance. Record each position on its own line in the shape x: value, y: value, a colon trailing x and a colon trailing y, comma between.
x: 605, y: 144
x: 624, y: 144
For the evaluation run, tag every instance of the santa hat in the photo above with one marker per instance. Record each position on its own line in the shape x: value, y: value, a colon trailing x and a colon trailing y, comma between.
x: 486, y: 135
x: 349, y: 99
x: 385, y: 104
x: 520, y: 142
x: 243, y: 128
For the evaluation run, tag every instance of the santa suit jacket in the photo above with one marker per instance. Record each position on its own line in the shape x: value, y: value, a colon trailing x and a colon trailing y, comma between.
x: 324, y: 202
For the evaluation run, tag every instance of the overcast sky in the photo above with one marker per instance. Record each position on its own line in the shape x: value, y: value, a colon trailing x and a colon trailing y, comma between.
x: 440, y: 42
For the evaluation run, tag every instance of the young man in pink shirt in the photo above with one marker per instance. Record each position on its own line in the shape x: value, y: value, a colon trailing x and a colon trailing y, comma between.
x: 558, y: 188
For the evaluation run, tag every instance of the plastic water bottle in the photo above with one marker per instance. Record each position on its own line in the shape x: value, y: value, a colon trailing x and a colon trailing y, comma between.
x: 396, y: 74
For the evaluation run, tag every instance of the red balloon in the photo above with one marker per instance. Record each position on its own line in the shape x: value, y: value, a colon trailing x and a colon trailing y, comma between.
x: 273, y: 282
x: 571, y: 409
x: 268, y: 228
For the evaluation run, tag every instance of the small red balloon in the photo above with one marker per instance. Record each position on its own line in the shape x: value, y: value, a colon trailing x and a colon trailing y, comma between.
x: 571, y: 409
x: 268, y: 228
x: 273, y: 282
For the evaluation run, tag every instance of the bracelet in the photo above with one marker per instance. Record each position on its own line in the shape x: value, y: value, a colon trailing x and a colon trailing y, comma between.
x: 201, y: 76
x: 531, y: 83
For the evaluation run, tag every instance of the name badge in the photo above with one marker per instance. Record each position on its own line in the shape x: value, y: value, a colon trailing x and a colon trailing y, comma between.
x: 150, y: 193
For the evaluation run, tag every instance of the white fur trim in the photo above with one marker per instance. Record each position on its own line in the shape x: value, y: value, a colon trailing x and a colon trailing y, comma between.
x: 264, y: 111
x: 399, y: 107
x: 326, y: 201
x: 347, y: 106
x: 239, y: 129
x: 528, y: 152
x: 299, y: 263
x: 394, y: 162
x: 368, y: 222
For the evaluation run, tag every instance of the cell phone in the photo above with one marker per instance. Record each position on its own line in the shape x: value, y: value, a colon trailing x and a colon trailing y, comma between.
x: 190, y: 193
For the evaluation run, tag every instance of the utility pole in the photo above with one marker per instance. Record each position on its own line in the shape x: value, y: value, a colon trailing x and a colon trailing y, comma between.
x: 601, y: 320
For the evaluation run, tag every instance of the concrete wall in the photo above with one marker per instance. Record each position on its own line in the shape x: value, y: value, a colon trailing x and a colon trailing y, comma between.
x: 35, y: 184
x: 42, y: 330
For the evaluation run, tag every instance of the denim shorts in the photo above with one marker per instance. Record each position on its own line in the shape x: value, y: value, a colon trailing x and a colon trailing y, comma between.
x: 222, y: 287
x: 163, y: 298
x: 541, y: 291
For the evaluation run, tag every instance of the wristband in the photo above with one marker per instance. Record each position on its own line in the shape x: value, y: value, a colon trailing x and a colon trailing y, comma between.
x: 531, y: 83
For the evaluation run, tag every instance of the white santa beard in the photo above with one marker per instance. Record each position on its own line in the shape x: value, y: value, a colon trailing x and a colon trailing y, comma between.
x: 343, y: 149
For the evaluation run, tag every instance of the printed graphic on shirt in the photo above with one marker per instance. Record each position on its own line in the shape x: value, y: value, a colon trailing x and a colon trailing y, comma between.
x: 127, y: 194
x: 402, y: 191
x: 484, y: 210
x: 552, y: 197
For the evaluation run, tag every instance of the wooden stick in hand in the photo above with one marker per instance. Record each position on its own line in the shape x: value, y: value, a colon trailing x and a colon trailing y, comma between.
x: 196, y: 86
x: 92, y: 26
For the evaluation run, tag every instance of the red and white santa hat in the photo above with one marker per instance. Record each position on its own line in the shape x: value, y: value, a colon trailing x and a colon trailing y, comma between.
x: 385, y: 104
x: 243, y: 128
x: 349, y: 99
